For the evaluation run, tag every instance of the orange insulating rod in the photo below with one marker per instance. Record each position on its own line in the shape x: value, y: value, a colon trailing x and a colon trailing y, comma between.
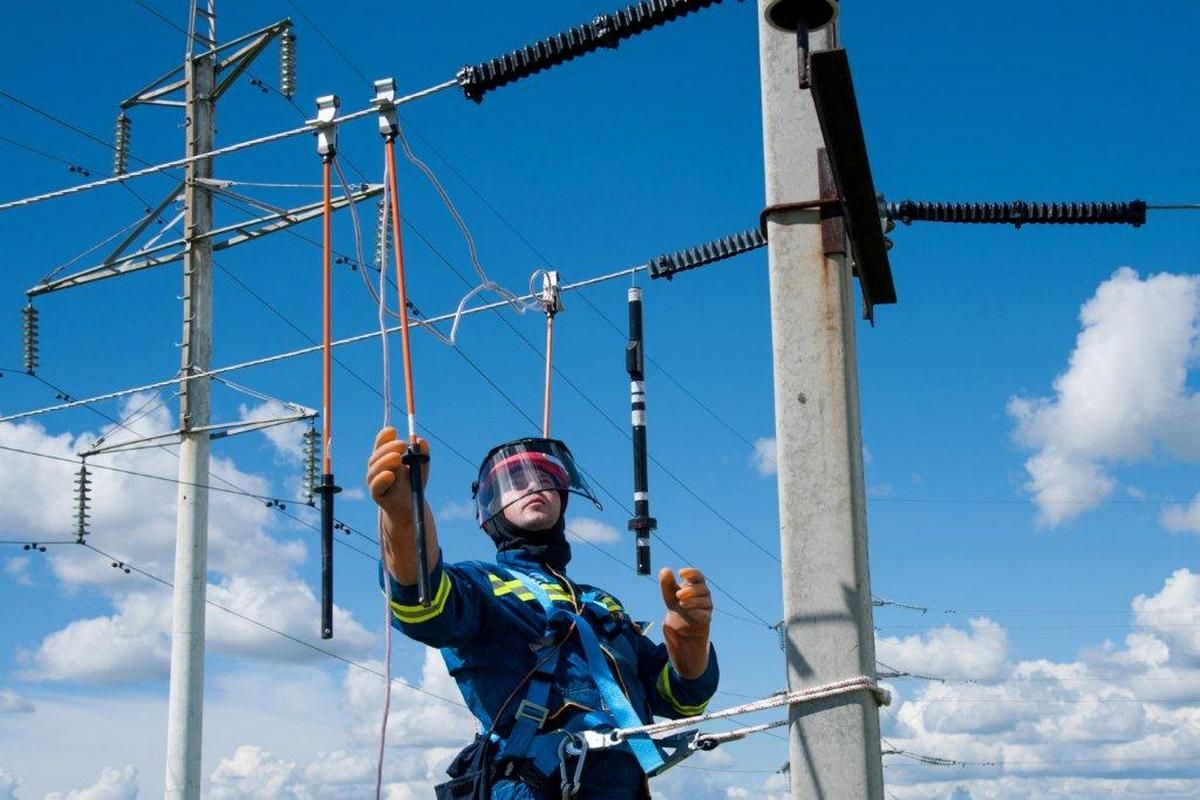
x: 414, y: 458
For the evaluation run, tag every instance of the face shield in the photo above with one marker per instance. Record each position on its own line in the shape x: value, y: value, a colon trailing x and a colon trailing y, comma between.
x: 514, y: 470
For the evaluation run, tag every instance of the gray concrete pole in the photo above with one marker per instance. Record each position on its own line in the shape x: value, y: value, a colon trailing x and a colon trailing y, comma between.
x: 834, y: 745
x: 186, y: 705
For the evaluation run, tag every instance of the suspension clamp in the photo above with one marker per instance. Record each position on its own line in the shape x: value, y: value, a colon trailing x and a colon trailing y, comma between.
x: 324, y: 126
x: 551, y: 295
x: 385, y: 103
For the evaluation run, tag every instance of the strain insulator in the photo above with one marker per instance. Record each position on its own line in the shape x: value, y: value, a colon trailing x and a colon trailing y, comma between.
x: 666, y: 265
x: 606, y: 30
x: 121, y: 134
x: 309, y: 450
x: 1020, y: 213
x: 83, y: 501
x: 383, y: 235
x: 287, y: 64
x: 29, y: 337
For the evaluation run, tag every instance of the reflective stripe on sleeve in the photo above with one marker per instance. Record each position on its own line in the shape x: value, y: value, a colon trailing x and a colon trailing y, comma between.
x: 419, y: 613
x: 664, y: 689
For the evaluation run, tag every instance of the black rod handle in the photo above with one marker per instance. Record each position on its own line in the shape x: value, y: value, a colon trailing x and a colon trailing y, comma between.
x: 414, y: 459
x: 327, y: 490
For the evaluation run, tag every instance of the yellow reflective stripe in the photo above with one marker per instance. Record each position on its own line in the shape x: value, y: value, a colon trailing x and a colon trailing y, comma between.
x: 502, y: 587
x: 419, y: 613
x: 664, y: 689
x: 610, y: 604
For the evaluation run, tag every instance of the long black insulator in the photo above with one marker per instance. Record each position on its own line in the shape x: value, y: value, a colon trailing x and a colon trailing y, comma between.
x: 1020, y: 213
x: 665, y: 266
x: 606, y: 30
x: 635, y: 364
x: 415, y: 460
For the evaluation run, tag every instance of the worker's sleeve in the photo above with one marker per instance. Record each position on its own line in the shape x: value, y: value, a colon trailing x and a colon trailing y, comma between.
x: 455, y: 612
x: 670, y: 694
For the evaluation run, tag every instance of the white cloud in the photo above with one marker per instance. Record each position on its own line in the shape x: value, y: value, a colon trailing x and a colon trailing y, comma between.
x: 764, y: 458
x: 251, y: 773
x: 1181, y: 518
x: 9, y: 784
x: 452, y: 510
x: 950, y: 652
x: 1174, y: 616
x: 1123, y: 397
x: 114, y: 784
x: 18, y: 569
x: 13, y: 703
x: 593, y: 530
x: 287, y: 440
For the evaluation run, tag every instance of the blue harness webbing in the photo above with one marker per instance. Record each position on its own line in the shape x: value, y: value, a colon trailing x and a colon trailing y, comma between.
x: 525, y: 741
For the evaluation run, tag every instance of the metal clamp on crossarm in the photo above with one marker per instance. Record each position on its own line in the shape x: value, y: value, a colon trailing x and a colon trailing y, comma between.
x: 385, y: 103
x: 324, y: 126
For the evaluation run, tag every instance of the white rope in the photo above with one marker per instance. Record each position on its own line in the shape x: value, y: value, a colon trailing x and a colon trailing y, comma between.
x: 849, y: 686
x: 220, y: 151
x: 257, y: 362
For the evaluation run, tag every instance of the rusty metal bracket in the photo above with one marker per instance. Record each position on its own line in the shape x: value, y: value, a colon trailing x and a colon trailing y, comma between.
x: 825, y: 205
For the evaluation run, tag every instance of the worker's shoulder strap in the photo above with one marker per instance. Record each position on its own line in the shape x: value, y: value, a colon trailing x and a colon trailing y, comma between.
x: 521, y: 742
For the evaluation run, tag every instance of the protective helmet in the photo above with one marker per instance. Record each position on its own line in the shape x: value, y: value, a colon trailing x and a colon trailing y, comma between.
x: 515, y: 469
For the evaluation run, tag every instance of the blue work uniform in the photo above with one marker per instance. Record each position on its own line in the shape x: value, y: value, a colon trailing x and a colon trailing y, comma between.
x: 488, y: 626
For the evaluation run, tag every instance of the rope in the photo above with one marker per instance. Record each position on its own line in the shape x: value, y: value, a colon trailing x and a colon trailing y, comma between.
x: 220, y: 151
x: 849, y: 686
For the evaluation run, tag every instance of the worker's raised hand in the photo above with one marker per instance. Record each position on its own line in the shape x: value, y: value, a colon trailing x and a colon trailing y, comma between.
x: 689, y: 613
x: 388, y: 476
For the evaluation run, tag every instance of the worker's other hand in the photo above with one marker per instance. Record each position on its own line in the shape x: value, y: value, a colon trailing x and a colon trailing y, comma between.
x: 388, y: 476
x: 689, y: 606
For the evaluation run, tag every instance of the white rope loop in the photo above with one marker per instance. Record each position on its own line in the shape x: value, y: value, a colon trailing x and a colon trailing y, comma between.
x: 849, y: 686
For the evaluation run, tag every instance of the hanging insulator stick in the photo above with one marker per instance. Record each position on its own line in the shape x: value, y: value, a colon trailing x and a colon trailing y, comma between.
x: 29, y: 337
x: 635, y: 358
x: 83, y: 488
x: 383, y: 235
x: 327, y: 107
x: 121, y: 134
x: 309, y: 452
x: 414, y: 459
x: 287, y: 64
x: 551, y: 300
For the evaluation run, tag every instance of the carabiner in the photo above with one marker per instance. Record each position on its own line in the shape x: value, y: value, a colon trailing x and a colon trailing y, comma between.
x: 571, y: 745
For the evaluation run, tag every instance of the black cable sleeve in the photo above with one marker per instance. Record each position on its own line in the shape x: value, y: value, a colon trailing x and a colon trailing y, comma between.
x: 1020, y: 213
x: 606, y: 30
x: 666, y: 265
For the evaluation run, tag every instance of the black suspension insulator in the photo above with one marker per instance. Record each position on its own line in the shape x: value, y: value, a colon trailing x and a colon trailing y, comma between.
x: 327, y: 490
x: 606, y: 30
x: 665, y: 266
x: 83, y: 488
x: 1020, y: 213
x: 29, y: 337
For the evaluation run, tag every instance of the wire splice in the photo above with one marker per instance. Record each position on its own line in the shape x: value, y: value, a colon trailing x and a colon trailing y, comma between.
x: 121, y: 135
x: 606, y: 30
x: 29, y: 337
x: 666, y: 265
x: 287, y: 64
x: 1021, y: 212
x: 83, y: 501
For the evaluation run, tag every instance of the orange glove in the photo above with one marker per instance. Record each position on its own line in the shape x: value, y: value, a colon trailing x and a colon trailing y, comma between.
x: 686, y: 624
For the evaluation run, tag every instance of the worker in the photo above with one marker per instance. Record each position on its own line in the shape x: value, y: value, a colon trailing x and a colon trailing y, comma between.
x: 537, y: 655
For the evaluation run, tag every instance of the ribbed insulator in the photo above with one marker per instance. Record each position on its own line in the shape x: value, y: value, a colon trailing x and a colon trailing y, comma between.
x: 287, y: 64
x: 309, y: 450
x: 29, y: 337
x: 83, y: 488
x: 606, y: 30
x: 121, y: 135
x: 1020, y: 213
x: 665, y: 266
x: 383, y: 235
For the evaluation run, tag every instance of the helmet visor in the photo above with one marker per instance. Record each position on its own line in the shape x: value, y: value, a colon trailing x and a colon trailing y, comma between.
x: 517, y: 469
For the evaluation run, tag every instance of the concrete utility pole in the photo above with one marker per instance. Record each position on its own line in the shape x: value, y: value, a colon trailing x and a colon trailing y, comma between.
x: 834, y: 746
x: 186, y: 706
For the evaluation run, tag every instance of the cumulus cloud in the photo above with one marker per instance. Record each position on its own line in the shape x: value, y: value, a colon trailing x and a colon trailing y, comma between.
x: 1182, y: 518
x: 593, y: 530
x: 287, y: 439
x: 1061, y: 729
x: 9, y: 784
x: 18, y: 569
x: 1123, y: 397
x: 13, y: 703
x: 114, y: 784
x: 253, y: 774
x: 764, y: 457
x: 951, y: 652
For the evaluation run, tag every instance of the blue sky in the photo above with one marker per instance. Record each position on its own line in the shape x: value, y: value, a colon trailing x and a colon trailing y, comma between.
x: 1030, y: 471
